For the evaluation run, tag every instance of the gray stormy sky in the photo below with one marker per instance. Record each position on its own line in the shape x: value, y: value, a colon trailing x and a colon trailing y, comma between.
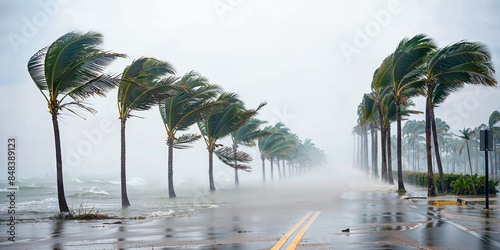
x: 310, y: 60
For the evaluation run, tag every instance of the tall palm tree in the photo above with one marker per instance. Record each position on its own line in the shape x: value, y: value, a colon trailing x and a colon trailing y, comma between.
x: 246, y: 136
x: 466, y: 134
x: 448, y: 70
x: 144, y: 84
x: 398, y: 70
x: 183, y: 109
x: 71, y: 66
x: 221, y: 122
x: 492, y: 121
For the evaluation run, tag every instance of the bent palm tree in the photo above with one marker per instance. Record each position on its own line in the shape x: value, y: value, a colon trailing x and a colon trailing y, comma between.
x: 222, y: 121
x: 447, y: 71
x: 71, y: 66
x: 143, y: 85
x: 246, y: 136
x: 182, y: 110
x: 398, y: 70
x: 265, y: 145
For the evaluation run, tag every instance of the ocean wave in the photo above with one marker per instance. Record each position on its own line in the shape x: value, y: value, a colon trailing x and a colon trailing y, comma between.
x: 33, y: 204
x: 92, y: 191
x: 161, y: 213
x: 31, y: 186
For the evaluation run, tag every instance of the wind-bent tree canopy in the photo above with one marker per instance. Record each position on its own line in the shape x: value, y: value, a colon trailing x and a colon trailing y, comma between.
x: 274, y: 144
x: 183, y: 109
x: 266, y: 144
x: 398, y: 70
x: 222, y: 121
x: 71, y: 66
x: 144, y: 83
x: 246, y: 136
x: 447, y: 71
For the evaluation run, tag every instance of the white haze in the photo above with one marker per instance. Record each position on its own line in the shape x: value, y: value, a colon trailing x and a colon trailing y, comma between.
x: 288, y: 53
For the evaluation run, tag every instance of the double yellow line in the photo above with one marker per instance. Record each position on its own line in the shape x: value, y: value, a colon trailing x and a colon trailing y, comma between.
x: 299, y: 235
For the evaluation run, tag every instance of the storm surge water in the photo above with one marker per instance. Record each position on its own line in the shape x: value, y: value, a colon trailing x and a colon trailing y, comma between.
x: 36, y: 199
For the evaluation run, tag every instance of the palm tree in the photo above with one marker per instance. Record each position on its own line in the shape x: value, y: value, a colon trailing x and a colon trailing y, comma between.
x: 273, y: 144
x: 265, y: 144
x: 71, y: 66
x: 144, y: 83
x: 246, y: 136
x: 398, y: 70
x: 182, y: 110
x: 279, y: 149
x: 492, y: 121
x: 447, y: 71
x: 466, y: 134
x: 369, y: 103
x: 222, y: 121
x: 375, y: 101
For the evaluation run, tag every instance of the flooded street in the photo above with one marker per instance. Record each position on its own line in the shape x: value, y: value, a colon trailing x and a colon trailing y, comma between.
x: 333, y: 210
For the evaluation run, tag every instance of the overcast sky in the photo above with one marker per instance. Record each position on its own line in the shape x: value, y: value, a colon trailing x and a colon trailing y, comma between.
x: 310, y: 60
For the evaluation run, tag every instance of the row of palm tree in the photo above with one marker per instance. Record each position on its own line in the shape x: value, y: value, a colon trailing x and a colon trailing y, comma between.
x: 74, y: 66
x: 417, y: 67
x: 463, y: 144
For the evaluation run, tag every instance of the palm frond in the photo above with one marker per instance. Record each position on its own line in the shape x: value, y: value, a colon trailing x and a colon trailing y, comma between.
x: 235, y: 160
x: 183, y: 141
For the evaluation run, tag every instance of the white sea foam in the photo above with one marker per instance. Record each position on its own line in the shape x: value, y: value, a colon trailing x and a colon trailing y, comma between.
x: 161, y: 213
x: 92, y: 191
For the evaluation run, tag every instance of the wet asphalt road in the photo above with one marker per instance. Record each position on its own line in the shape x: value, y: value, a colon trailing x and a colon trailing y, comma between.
x: 257, y: 216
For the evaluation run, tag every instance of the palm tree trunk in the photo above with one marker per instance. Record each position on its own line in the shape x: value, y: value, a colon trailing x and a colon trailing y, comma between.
x: 236, y: 178
x: 125, y: 201
x: 211, y: 169
x: 171, y: 192
x: 401, y: 186
x: 366, y: 167
x: 468, y: 154
x: 263, y: 168
x: 374, y: 151
x: 272, y: 170
x: 389, y: 155
x: 383, y: 146
x: 284, y: 167
x: 63, y: 206
x: 431, y: 189
x: 436, y: 151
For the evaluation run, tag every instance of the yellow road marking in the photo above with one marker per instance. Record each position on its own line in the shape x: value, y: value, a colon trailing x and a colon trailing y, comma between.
x: 437, y: 203
x: 285, y: 237
x: 301, y: 233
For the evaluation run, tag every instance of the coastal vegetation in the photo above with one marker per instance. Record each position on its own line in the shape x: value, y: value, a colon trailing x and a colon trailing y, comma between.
x: 418, y: 67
